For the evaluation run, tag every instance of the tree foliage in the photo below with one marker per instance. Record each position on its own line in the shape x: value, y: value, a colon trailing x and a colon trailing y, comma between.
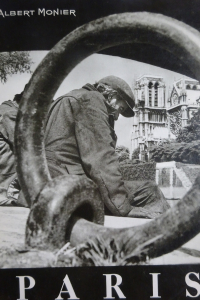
x: 186, y: 149
x: 191, y: 132
x: 135, y: 154
x: 123, y: 153
x: 14, y: 62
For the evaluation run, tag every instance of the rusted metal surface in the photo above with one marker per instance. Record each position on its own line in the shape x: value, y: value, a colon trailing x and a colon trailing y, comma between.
x: 176, y: 226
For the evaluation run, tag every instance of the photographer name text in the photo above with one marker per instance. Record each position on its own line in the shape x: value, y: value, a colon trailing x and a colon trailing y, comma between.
x: 39, y: 12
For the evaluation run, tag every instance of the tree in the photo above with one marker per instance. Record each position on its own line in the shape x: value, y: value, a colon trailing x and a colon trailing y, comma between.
x: 186, y: 149
x: 135, y: 154
x: 13, y: 63
x: 123, y: 153
x: 191, y: 132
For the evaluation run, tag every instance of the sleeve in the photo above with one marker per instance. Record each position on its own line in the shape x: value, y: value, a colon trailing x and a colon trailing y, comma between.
x: 7, y: 125
x: 100, y: 162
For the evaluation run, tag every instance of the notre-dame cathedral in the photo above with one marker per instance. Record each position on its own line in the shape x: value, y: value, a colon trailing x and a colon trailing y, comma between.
x: 158, y: 116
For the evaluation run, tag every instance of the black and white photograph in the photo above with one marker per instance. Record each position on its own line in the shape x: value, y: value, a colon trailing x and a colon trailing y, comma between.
x: 99, y: 150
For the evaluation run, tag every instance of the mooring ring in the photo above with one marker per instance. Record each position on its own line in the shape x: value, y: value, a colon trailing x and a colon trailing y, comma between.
x: 174, y: 36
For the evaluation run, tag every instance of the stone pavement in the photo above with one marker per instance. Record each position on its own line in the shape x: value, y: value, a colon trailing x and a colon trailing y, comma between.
x: 12, y: 230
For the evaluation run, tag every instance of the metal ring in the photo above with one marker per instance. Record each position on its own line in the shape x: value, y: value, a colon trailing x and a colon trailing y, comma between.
x: 62, y: 202
x: 174, y: 36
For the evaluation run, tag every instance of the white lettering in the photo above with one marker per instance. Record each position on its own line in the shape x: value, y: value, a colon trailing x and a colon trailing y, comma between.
x: 22, y: 287
x: 56, y: 12
x: 41, y: 11
x: 69, y: 290
x: 12, y: 13
x: 73, y: 12
x: 192, y: 284
x: 1, y: 13
x: 49, y: 12
x: 19, y: 13
x: 155, y: 285
x: 26, y: 12
x: 109, y: 286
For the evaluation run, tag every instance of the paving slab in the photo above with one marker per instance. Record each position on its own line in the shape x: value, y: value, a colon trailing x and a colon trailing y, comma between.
x: 12, y: 232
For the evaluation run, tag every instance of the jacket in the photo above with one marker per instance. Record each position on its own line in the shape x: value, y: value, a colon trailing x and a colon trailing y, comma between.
x: 80, y: 139
x: 8, y: 113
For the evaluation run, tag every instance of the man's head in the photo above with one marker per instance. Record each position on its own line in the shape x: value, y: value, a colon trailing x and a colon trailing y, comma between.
x: 17, y: 97
x: 118, y: 95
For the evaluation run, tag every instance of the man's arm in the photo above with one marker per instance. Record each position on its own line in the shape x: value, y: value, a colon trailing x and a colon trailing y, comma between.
x: 7, y: 125
x: 140, y: 212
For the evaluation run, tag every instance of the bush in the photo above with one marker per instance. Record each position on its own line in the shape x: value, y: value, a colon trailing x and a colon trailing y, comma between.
x: 141, y: 171
x: 123, y: 153
x: 180, y: 152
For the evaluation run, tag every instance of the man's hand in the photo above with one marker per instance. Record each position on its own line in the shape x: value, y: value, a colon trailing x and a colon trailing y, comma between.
x: 140, y: 212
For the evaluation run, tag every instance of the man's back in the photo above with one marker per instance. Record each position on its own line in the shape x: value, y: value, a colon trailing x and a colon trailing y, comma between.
x: 8, y: 113
x: 79, y: 140
x: 60, y: 140
x: 69, y: 118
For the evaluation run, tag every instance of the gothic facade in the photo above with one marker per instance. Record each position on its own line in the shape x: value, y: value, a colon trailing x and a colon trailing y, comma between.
x: 183, y: 101
x: 157, y: 117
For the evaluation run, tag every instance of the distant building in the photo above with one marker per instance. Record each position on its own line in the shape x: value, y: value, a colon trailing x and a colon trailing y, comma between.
x: 157, y: 118
x: 183, y: 101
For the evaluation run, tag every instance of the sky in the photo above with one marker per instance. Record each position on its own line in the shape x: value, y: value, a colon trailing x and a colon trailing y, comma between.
x: 91, y: 70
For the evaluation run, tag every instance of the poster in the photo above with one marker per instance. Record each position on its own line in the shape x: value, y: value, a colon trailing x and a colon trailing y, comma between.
x: 36, y: 27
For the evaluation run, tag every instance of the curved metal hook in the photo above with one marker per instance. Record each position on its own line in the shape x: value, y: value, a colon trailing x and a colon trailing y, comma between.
x: 176, y: 37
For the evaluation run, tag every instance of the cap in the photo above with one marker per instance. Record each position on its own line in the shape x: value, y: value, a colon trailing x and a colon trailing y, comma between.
x: 123, y: 90
x: 18, y: 97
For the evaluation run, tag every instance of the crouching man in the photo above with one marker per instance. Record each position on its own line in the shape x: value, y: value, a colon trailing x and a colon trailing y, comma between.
x: 80, y: 140
x: 9, y: 186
